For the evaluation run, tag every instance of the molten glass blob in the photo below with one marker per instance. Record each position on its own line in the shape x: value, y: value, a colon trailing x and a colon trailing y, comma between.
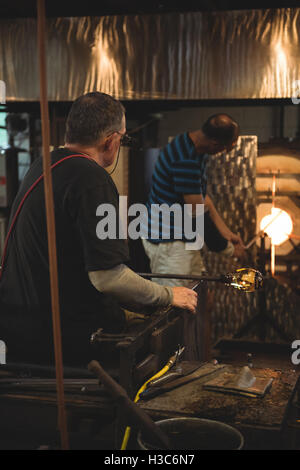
x: 245, y: 279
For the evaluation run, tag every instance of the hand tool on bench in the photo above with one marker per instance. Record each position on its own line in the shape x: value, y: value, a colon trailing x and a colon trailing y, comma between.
x: 180, y: 370
x: 190, y: 375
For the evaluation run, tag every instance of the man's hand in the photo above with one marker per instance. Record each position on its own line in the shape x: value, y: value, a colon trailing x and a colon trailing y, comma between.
x: 239, y: 247
x: 185, y: 298
x: 239, y: 252
x: 232, y: 237
x: 236, y: 240
x: 220, y: 224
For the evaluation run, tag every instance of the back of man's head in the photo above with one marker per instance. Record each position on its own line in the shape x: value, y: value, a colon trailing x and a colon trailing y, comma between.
x: 221, y: 128
x: 93, y: 116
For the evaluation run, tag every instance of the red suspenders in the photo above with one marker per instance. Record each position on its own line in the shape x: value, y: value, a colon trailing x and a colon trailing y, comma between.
x: 22, y: 202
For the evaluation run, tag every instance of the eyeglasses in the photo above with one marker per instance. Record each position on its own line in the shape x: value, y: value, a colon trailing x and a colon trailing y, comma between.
x: 125, y: 140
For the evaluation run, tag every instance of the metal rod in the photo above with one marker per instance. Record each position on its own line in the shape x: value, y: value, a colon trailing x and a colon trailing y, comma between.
x: 273, y: 259
x: 42, y: 370
x: 181, y: 276
x: 262, y: 231
x: 273, y: 249
x: 62, y: 421
x: 273, y: 189
x: 253, y: 239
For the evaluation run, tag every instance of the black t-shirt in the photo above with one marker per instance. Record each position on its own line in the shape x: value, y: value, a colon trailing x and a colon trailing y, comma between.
x: 80, y: 185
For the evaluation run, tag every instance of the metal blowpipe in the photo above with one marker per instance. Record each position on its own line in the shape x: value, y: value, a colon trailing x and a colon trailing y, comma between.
x: 244, y: 279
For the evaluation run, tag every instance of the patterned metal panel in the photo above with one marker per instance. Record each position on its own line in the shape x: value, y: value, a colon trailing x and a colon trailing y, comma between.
x: 232, y: 187
x: 283, y: 306
x: 193, y: 55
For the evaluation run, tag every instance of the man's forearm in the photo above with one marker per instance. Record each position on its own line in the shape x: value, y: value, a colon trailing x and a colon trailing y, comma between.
x: 219, y: 222
x: 213, y: 238
x: 132, y: 291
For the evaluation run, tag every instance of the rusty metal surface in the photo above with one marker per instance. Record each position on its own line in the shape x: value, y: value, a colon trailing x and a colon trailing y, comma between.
x: 157, y: 56
x: 192, y: 400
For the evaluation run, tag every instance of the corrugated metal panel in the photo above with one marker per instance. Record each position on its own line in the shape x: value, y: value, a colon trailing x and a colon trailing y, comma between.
x: 197, y: 55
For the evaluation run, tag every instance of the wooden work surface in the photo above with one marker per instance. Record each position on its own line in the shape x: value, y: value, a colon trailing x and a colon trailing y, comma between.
x: 193, y: 400
x: 31, y: 412
x: 190, y: 399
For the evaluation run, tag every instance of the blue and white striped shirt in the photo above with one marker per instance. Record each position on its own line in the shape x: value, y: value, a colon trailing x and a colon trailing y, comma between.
x: 179, y: 170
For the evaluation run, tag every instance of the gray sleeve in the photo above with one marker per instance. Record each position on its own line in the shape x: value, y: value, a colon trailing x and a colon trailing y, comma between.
x: 131, y: 290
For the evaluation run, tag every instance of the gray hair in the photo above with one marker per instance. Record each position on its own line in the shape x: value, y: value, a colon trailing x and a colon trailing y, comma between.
x: 92, y: 117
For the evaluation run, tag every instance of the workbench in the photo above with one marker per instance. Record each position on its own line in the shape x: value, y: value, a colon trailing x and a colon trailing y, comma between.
x: 262, y: 420
x: 269, y: 422
x: 29, y: 413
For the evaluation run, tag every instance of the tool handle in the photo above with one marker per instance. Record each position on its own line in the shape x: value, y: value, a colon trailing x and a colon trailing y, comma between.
x: 139, y: 416
x: 151, y: 393
x: 168, y: 377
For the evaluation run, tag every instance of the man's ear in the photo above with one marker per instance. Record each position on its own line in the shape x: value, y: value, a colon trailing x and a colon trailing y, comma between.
x: 108, y: 143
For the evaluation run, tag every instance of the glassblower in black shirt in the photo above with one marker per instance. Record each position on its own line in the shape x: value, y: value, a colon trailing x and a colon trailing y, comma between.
x: 94, y: 282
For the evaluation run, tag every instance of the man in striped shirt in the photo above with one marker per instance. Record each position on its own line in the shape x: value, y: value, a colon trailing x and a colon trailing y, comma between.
x: 180, y: 178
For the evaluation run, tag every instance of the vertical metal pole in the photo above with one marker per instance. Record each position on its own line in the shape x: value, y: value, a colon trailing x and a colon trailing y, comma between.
x: 272, y: 245
x: 273, y: 189
x: 273, y: 259
x: 62, y: 421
